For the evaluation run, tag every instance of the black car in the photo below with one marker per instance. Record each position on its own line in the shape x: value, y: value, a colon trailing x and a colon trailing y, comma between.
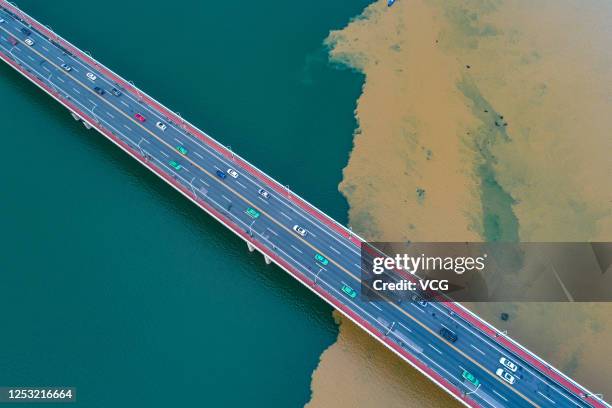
x: 25, y: 31
x: 116, y: 92
x: 448, y: 335
x: 99, y: 90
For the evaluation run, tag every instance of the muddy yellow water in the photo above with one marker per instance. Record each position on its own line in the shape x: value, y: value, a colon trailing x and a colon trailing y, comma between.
x: 359, y: 372
x: 479, y: 120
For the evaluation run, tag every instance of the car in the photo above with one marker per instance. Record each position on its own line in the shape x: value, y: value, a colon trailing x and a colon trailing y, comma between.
x: 99, y: 90
x: 66, y: 67
x: 12, y: 40
x: 29, y: 41
x: 221, y: 175
x: 175, y: 165
x: 116, y: 92
x: 232, y: 173
x: 508, y: 364
x: 448, y: 335
x: 1, y: 20
x: 263, y: 193
x: 162, y: 126
x: 300, y: 231
x: 321, y: 259
x: 25, y: 31
x: 506, y: 376
x: 140, y: 117
x: 181, y: 150
x: 91, y: 76
x: 253, y: 213
x: 417, y: 298
x: 350, y: 292
x: 470, y: 377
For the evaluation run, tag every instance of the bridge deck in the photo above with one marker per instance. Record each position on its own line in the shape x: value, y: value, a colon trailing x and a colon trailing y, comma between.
x: 410, y: 330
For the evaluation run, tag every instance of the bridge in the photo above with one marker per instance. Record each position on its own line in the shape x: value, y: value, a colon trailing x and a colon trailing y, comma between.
x: 264, y: 213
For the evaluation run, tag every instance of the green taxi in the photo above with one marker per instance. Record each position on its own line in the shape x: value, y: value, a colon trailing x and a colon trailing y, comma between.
x: 470, y: 377
x: 253, y: 213
x: 350, y: 292
x: 181, y: 150
x: 321, y: 259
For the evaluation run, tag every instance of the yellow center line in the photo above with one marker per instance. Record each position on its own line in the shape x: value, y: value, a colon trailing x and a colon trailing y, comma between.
x: 433, y: 333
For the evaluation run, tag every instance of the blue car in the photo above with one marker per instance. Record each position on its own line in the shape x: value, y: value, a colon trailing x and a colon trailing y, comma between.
x: 221, y: 174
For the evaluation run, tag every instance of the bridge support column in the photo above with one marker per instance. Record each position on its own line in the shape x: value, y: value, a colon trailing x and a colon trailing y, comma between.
x: 251, y: 247
x: 268, y: 260
x: 87, y: 126
x: 74, y: 116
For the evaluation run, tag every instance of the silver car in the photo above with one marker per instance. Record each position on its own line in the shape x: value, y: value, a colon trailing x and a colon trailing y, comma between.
x: 299, y: 230
x: 508, y: 364
x: 506, y: 376
x: 263, y: 193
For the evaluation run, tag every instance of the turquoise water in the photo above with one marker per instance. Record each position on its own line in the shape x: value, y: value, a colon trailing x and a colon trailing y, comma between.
x: 113, y: 283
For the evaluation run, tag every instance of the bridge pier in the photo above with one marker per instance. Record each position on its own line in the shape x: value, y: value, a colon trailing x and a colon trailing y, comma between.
x: 77, y: 118
x: 251, y: 247
x: 268, y: 260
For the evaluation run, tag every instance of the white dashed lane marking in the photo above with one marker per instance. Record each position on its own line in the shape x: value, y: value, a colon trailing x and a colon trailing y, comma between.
x: 477, y: 349
x: 436, y: 350
x: 500, y: 396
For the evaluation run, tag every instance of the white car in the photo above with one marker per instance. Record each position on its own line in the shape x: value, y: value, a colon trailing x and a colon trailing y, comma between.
x: 506, y: 376
x: 508, y: 364
x: 232, y: 173
x: 66, y: 67
x: 161, y: 125
x: 300, y: 231
x: 1, y: 20
x: 29, y: 41
x: 91, y: 76
x: 263, y: 193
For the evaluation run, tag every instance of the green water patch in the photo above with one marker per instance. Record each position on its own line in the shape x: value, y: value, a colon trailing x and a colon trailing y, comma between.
x: 499, y: 223
x: 466, y: 23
